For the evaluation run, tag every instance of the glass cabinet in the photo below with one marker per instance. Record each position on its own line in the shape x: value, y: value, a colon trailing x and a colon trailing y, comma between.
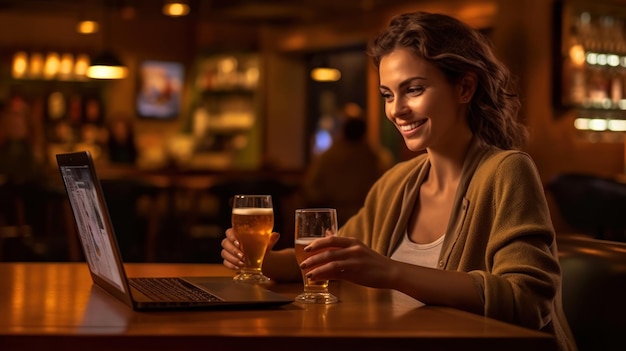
x: 225, y: 115
x: 592, y: 64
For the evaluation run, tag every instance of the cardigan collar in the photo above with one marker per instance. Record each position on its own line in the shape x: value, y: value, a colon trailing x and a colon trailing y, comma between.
x: 475, y: 154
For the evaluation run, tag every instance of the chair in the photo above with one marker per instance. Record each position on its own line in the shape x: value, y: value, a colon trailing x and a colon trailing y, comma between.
x: 591, y: 204
x: 594, y: 291
x: 136, y: 229
x: 36, y: 224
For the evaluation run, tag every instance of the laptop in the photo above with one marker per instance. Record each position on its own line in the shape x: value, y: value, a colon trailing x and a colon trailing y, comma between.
x: 104, y: 259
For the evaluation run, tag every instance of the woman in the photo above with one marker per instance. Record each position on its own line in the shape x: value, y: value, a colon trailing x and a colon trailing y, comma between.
x: 466, y: 223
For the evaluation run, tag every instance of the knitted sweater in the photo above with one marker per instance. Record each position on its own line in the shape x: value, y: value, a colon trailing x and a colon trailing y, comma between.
x: 500, y: 232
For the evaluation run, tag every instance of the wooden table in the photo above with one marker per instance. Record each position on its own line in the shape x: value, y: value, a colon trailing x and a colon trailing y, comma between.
x: 54, y: 306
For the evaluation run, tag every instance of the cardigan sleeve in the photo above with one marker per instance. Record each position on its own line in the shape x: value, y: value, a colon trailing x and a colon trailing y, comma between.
x: 522, y: 272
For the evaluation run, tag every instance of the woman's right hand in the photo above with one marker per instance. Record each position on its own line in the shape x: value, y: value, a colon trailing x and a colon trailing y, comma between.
x: 231, y: 249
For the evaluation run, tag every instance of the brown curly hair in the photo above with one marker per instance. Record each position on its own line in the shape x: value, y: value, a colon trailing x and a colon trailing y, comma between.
x: 456, y: 49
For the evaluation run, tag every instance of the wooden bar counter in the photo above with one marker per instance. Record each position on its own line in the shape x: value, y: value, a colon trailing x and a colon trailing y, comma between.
x: 55, y: 306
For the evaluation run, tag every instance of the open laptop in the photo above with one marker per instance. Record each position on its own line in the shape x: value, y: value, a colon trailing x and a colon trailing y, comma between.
x: 106, y: 266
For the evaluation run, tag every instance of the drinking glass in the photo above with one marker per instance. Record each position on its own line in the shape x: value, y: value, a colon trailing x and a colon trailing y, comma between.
x: 312, y: 224
x: 253, y: 222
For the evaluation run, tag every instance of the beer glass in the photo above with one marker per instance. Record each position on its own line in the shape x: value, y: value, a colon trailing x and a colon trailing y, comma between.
x: 253, y: 222
x: 312, y: 224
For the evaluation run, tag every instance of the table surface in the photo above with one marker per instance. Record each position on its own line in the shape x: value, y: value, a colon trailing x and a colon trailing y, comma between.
x: 55, y: 304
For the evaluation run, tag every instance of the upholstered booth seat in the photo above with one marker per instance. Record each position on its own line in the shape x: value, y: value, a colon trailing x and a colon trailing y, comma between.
x: 594, y: 291
x: 591, y: 204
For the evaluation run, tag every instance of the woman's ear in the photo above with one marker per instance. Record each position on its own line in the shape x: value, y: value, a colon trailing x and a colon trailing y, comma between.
x: 467, y: 87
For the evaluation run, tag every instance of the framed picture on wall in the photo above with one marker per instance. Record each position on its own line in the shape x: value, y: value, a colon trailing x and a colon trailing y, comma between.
x: 160, y: 89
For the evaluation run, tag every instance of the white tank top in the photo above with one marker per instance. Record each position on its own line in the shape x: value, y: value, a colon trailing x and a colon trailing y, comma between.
x: 426, y: 255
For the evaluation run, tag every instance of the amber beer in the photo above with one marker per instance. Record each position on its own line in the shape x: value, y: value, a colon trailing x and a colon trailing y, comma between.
x: 313, y: 224
x: 254, y: 228
x: 309, y: 284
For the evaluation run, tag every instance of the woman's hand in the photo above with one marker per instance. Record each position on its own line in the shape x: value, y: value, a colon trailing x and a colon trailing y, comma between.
x: 348, y: 259
x: 231, y: 249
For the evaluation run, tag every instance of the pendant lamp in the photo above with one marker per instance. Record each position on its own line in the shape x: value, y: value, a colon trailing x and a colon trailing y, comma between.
x: 107, y: 65
x: 322, y: 71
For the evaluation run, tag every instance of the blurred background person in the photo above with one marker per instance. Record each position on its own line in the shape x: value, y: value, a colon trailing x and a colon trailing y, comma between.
x: 23, y: 180
x: 21, y: 145
x: 342, y: 175
x: 121, y: 145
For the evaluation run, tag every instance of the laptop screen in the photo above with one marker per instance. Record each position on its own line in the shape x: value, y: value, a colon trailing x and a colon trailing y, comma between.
x: 97, y: 245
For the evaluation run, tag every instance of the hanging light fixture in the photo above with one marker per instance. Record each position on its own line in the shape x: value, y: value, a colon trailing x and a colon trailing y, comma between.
x: 322, y: 71
x: 325, y: 74
x: 175, y: 8
x: 107, y: 65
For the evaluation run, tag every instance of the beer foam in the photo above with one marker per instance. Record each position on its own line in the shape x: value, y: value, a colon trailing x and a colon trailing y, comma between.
x: 249, y: 211
x: 305, y: 241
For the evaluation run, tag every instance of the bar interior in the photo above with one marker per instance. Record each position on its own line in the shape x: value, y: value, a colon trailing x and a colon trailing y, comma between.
x: 220, y: 97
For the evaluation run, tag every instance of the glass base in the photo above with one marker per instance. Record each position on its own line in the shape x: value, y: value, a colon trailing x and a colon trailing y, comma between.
x: 317, y: 297
x: 252, y: 278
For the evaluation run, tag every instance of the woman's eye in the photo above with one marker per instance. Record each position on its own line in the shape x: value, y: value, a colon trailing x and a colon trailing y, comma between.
x: 415, y: 90
x: 386, y: 96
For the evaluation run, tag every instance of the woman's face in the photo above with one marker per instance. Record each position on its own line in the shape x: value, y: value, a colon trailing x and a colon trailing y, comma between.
x: 428, y: 111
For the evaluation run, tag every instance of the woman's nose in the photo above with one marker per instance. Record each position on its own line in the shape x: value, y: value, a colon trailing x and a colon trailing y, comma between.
x: 399, y: 108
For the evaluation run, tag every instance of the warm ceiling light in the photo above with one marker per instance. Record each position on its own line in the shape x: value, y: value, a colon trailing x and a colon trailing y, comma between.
x: 87, y: 27
x: 175, y: 8
x: 107, y: 66
x: 325, y: 74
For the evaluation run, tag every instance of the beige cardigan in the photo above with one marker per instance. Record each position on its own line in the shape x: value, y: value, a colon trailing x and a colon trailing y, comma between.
x: 500, y: 232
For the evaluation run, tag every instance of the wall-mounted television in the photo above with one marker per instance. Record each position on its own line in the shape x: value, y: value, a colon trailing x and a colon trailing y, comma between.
x: 160, y: 89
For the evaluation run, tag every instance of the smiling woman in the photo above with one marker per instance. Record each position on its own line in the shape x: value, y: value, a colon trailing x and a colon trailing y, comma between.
x: 466, y: 223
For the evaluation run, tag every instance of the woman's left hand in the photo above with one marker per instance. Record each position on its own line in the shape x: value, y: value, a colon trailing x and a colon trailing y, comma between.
x: 348, y: 259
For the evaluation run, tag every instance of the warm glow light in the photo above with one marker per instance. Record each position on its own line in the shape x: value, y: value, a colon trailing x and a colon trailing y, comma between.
x: 617, y: 125
x: 20, y: 64
x: 598, y: 124
x: 107, y: 66
x: 81, y: 65
x: 36, y: 65
x: 325, y: 74
x: 87, y: 27
x: 612, y: 60
x: 107, y: 72
x: 66, y: 66
x: 176, y: 9
x: 581, y: 123
x: 577, y: 55
x: 592, y: 58
x: 51, y: 67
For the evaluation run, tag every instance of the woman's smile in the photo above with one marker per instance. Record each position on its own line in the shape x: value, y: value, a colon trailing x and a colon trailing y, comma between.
x: 410, y: 128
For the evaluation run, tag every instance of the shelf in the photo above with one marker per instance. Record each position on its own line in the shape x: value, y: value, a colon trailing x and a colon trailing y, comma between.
x: 225, y: 112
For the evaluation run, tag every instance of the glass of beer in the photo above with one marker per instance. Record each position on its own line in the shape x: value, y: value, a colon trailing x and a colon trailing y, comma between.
x: 312, y: 224
x: 253, y: 222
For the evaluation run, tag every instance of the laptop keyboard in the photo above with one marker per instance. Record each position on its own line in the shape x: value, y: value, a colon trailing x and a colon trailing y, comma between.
x: 170, y: 289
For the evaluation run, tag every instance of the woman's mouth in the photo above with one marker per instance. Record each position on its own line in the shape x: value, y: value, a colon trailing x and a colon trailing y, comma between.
x: 406, y: 128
